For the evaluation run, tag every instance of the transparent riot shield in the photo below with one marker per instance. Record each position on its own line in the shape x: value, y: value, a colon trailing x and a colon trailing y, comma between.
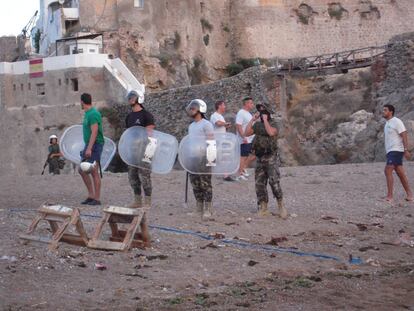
x: 148, y: 149
x: 219, y: 155
x: 71, y: 144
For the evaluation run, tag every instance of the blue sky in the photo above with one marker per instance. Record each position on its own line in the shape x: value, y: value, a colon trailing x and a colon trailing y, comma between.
x: 15, y: 14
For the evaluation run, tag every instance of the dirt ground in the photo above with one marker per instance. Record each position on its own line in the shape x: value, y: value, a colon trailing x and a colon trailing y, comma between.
x: 335, y: 213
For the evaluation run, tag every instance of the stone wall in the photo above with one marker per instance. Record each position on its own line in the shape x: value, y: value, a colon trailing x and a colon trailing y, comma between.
x: 27, y: 118
x: 9, y: 49
x: 168, y: 107
x: 175, y: 43
x: 167, y: 43
x: 292, y: 28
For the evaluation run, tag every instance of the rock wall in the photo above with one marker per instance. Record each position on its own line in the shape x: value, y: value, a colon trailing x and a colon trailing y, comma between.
x: 175, y: 43
x: 324, y: 119
x: 169, y: 106
x: 294, y: 28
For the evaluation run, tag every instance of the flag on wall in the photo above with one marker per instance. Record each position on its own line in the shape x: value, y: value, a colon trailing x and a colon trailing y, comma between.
x: 36, y: 68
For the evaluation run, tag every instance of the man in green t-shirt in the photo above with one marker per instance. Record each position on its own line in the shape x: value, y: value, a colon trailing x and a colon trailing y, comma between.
x: 94, y: 141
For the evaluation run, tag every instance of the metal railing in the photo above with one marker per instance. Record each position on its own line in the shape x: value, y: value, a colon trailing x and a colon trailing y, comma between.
x: 342, y: 60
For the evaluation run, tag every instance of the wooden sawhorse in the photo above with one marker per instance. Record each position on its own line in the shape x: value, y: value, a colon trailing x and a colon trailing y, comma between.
x: 59, y: 218
x: 122, y: 240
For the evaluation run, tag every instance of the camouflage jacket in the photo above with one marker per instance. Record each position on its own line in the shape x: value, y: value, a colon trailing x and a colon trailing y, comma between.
x: 263, y: 144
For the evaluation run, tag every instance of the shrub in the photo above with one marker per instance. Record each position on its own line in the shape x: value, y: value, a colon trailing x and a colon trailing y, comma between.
x: 177, y: 40
x: 205, y: 24
x: 206, y: 39
x: 234, y: 69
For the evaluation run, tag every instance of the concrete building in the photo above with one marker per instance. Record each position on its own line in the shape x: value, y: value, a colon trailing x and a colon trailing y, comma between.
x: 41, y: 97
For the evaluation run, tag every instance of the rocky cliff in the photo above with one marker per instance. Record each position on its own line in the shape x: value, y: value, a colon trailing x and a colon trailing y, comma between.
x: 324, y: 119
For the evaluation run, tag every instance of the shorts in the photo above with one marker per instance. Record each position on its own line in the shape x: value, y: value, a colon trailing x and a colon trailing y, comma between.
x: 245, y: 150
x: 395, y: 158
x: 96, y: 153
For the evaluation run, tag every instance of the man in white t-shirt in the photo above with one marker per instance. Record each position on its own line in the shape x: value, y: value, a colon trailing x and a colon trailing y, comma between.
x: 243, y: 118
x: 396, y: 147
x: 220, y: 124
x: 217, y: 118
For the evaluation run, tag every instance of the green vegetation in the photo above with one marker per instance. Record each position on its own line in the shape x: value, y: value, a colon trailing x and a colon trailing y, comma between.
x: 165, y: 60
x: 303, y: 19
x: 177, y: 40
x: 206, y: 39
x: 244, y: 63
x: 37, y: 41
x: 111, y: 114
x: 205, y: 24
x: 195, y: 72
x: 335, y: 10
x: 175, y: 301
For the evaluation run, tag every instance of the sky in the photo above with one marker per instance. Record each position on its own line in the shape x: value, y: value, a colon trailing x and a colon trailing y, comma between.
x: 15, y: 14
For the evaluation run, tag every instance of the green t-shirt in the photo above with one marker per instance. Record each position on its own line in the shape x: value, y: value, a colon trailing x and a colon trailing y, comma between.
x: 54, y: 149
x: 92, y: 116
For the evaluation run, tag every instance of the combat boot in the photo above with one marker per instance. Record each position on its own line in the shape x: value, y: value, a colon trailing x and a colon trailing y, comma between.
x: 137, y: 202
x: 199, y: 207
x: 147, y: 201
x: 263, y: 209
x: 207, y: 211
x: 282, y: 209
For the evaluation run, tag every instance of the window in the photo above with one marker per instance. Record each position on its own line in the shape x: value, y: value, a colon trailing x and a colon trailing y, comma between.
x: 41, y: 91
x: 14, y: 87
x: 91, y: 50
x: 139, y: 4
x: 29, y: 86
x: 66, y: 81
x: 75, y: 84
x: 60, y: 82
x: 21, y: 87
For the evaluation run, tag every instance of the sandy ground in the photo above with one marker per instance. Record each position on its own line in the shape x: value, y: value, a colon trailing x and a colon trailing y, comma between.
x: 335, y: 211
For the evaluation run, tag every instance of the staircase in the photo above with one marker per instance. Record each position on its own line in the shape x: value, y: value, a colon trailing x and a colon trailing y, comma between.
x: 124, y: 76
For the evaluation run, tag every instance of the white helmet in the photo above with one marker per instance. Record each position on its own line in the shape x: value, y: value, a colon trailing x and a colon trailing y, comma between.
x: 52, y: 137
x: 199, y: 104
x: 133, y: 93
x: 87, y: 167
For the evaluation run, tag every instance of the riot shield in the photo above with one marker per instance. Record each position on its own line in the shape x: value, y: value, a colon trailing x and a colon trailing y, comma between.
x: 219, y: 155
x: 148, y: 149
x: 71, y: 144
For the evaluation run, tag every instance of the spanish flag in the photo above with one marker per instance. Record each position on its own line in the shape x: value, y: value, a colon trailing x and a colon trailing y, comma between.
x: 36, y: 68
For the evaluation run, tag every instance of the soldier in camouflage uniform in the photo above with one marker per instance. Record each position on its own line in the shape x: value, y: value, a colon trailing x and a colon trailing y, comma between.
x: 138, y: 177
x: 267, y: 168
x: 201, y: 129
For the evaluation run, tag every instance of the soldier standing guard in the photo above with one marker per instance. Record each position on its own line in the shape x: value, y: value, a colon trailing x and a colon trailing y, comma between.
x: 201, y: 183
x: 265, y: 148
x: 138, y: 177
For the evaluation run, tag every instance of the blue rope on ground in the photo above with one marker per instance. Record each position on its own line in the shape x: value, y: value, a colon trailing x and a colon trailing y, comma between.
x: 247, y: 245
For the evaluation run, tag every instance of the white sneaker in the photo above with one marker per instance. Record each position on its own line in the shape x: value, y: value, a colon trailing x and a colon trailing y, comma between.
x: 245, y: 173
x: 241, y: 177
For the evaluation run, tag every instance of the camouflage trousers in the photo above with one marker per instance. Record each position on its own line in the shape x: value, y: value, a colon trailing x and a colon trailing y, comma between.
x: 202, y: 188
x: 139, y: 177
x: 54, y: 166
x: 267, y: 170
